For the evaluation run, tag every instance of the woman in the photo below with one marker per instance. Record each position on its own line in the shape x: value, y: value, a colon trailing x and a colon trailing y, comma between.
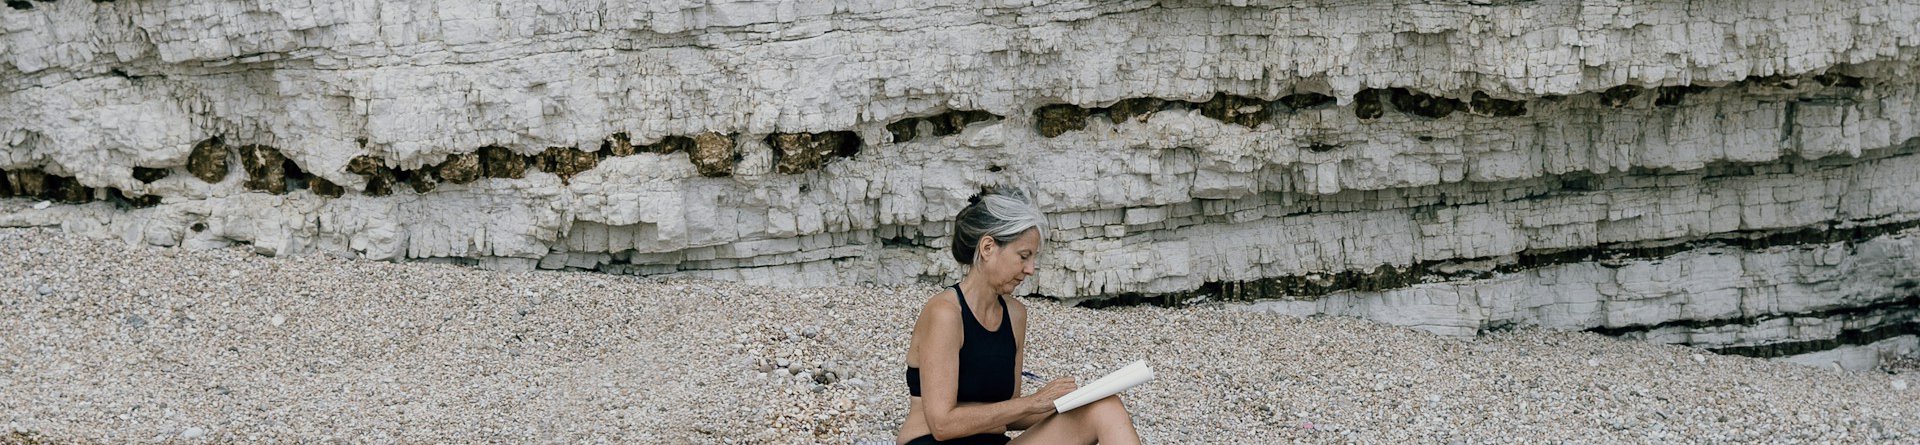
x: 964, y: 362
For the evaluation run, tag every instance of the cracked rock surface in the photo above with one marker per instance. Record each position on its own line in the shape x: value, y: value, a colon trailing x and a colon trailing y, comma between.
x: 1230, y: 150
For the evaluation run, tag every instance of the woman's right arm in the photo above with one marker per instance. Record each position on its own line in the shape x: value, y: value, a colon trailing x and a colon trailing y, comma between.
x: 939, y: 352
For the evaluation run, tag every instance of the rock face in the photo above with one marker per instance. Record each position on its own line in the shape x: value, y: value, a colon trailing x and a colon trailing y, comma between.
x: 1459, y: 166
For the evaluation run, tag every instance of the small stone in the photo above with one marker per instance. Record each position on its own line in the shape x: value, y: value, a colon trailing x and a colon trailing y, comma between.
x: 278, y: 320
x: 809, y: 332
x: 42, y: 205
x: 136, y: 322
x: 782, y: 363
x: 1433, y: 398
x: 45, y: 290
x: 193, y: 433
x: 1899, y: 384
x: 1697, y: 358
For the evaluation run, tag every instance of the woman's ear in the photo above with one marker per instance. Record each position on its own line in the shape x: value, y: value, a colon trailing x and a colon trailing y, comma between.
x: 986, y: 246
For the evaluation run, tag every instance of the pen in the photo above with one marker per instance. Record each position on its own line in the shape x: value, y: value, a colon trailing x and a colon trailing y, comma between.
x: 1031, y: 375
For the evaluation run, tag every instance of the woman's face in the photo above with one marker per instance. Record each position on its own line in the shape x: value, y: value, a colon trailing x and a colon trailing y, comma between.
x: 1007, y: 265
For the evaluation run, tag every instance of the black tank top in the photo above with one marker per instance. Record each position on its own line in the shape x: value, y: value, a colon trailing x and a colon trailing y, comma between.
x: 986, y: 358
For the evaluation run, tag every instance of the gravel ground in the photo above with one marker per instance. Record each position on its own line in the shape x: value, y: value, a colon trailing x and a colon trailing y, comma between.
x: 101, y: 342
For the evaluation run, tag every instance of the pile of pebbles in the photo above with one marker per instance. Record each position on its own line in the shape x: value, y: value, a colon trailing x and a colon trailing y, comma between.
x: 111, y: 343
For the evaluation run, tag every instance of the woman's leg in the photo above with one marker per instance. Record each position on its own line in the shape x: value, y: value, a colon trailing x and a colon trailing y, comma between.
x: 1105, y: 421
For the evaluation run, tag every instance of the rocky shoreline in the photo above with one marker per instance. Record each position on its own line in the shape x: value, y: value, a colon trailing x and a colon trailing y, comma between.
x: 110, y: 343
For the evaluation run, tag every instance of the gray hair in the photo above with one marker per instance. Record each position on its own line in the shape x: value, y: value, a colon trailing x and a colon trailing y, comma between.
x: 1003, y: 213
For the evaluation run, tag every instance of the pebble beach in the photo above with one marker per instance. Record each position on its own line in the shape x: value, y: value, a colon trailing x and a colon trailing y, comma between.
x: 102, y: 342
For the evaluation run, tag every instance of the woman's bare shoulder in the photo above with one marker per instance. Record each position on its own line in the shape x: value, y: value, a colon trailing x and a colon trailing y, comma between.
x: 1017, y: 305
x: 940, y: 307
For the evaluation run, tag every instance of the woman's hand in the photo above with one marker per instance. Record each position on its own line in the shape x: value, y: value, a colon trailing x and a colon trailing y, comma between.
x: 1043, y: 399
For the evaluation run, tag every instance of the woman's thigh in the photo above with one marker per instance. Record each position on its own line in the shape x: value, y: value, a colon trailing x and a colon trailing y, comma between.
x: 1058, y: 428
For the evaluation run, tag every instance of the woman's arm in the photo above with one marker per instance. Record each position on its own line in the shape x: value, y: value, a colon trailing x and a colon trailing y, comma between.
x: 940, y: 376
x: 1018, y: 312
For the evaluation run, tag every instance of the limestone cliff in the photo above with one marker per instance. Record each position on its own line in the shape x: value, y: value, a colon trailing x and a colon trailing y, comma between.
x: 1703, y: 172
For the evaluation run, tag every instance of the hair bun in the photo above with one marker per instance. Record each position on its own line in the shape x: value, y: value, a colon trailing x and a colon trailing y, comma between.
x: 975, y: 199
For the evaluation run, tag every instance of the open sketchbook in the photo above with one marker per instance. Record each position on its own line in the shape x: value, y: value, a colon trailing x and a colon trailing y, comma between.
x: 1126, y: 377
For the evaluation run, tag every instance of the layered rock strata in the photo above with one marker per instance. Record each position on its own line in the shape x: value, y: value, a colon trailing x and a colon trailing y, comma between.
x: 1459, y: 166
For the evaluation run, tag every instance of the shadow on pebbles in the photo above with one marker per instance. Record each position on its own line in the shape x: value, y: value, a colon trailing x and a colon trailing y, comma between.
x: 109, y: 343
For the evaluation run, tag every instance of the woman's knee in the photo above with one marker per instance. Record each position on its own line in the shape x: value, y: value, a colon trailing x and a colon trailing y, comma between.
x: 1110, y: 404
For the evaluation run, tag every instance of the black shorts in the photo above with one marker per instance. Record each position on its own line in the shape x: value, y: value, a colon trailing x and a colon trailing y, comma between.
x: 977, y: 439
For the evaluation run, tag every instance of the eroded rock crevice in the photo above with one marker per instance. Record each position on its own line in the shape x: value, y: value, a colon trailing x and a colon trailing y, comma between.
x: 799, y: 152
x: 1373, y: 103
x: 39, y: 184
x: 1388, y: 277
x: 711, y: 154
x: 1886, y: 318
x: 714, y: 154
x: 939, y: 125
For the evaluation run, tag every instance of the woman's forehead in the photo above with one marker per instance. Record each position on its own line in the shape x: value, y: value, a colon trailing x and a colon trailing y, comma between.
x: 1029, y: 239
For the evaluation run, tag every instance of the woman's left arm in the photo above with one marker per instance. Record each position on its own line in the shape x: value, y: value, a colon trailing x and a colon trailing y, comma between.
x: 1018, y: 312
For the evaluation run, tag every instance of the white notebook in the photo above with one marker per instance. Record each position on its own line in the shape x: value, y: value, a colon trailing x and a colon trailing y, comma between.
x: 1127, y: 377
